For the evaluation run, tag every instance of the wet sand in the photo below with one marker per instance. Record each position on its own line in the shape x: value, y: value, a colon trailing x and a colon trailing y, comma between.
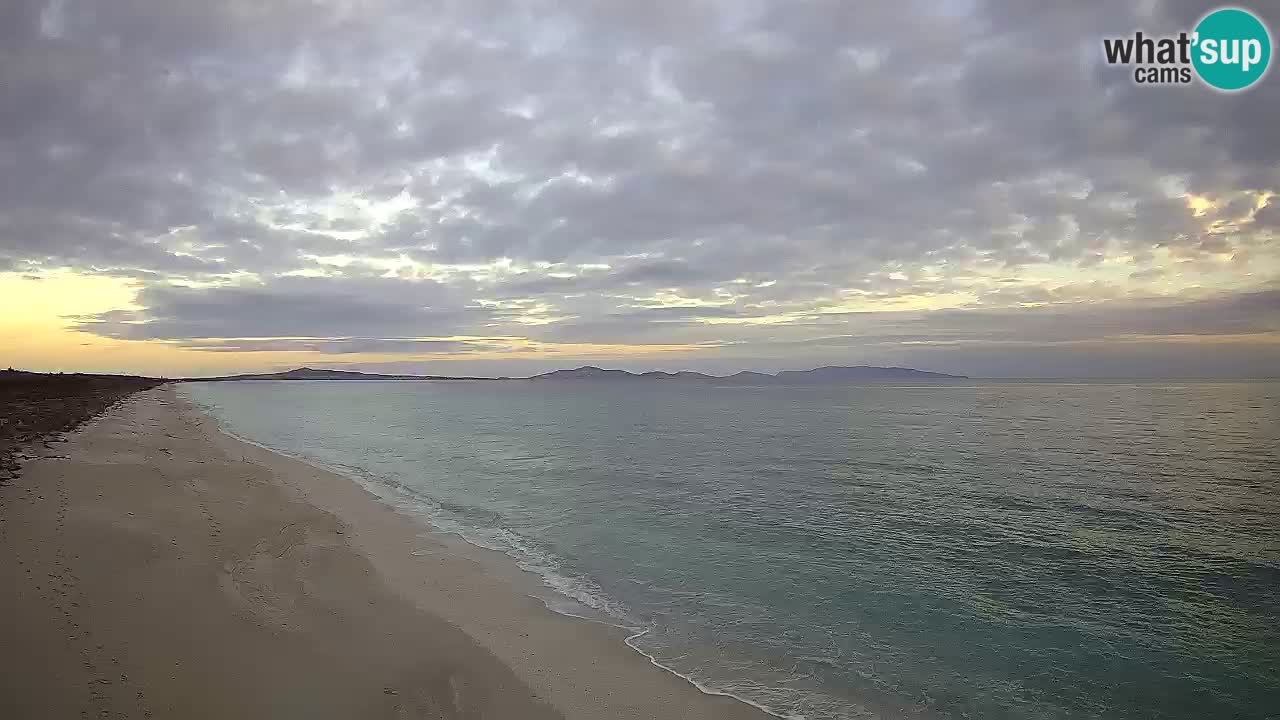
x: 152, y: 566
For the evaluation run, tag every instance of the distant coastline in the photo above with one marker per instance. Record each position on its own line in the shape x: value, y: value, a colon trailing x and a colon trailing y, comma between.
x: 826, y: 374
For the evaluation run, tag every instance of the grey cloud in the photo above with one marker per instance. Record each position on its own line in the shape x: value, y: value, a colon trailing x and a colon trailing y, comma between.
x: 1246, y: 314
x: 290, y: 307
x: 340, y: 346
x: 1256, y: 314
x: 1269, y: 215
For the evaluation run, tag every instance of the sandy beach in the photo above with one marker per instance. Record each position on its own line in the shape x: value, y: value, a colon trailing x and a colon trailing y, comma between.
x: 152, y: 566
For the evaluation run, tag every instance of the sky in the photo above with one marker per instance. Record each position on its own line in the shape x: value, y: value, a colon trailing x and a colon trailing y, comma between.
x: 200, y: 187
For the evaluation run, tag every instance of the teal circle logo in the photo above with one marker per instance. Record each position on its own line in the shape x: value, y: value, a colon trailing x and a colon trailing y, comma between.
x: 1231, y: 49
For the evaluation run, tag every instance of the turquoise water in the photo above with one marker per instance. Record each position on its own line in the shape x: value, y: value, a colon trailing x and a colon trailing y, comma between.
x: 998, y: 550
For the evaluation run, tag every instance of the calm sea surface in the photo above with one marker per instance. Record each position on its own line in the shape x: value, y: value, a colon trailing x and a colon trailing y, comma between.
x: 991, y: 551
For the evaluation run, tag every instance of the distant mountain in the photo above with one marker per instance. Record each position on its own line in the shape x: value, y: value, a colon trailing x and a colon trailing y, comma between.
x: 306, y: 373
x: 860, y: 373
x: 829, y: 374
x: 751, y: 377
x: 682, y: 375
x: 587, y: 372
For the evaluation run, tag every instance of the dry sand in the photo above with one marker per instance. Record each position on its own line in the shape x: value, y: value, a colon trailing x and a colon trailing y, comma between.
x: 151, y: 566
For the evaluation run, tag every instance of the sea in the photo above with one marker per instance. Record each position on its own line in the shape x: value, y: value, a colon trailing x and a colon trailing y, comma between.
x: 1037, y: 550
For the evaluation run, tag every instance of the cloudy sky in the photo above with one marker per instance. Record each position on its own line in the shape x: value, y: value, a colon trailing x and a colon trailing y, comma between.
x: 481, y: 186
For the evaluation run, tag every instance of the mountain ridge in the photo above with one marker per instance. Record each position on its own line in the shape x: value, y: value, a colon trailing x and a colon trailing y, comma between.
x: 306, y: 373
x: 827, y: 373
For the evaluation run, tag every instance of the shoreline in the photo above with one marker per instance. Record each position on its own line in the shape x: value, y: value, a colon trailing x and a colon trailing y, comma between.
x: 538, y: 587
x: 519, y: 580
x: 156, y: 564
